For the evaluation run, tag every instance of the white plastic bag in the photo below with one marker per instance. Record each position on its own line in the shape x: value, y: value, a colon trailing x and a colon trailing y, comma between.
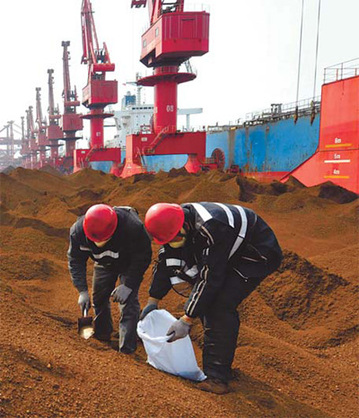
x: 176, y: 358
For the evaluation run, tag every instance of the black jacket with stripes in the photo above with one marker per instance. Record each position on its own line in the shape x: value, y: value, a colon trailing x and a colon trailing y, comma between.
x: 221, y: 237
x: 128, y: 252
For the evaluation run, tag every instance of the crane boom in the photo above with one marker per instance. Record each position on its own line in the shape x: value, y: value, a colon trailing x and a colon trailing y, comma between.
x: 98, y: 59
x: 99, y: 92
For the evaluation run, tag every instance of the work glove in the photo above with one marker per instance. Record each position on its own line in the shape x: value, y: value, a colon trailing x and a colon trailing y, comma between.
x: 84, y: 301
x: 121, y: 293
x: 178, y: 329
x: 147, y: 309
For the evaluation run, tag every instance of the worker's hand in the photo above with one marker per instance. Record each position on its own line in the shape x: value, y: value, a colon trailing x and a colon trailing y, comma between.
x: 121, y: 293
x: 147, y: 309
x: 178, y: 329
x: 84, y: 301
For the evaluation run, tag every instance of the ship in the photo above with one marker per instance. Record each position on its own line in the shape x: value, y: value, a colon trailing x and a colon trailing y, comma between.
x: 313, y: 140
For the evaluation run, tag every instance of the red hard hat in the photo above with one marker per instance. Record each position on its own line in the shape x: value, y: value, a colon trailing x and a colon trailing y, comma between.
x: 164, y: 221
x: 100, y: 222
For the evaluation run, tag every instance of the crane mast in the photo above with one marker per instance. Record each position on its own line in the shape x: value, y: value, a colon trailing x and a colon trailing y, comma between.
x: 32, y: 132
x: 41, y: 129
x: 53, y: 130
x: 70, y: 120
x: 25, y: 141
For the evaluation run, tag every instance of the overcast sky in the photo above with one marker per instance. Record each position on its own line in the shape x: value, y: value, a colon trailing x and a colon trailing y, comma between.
x: 252, y: 61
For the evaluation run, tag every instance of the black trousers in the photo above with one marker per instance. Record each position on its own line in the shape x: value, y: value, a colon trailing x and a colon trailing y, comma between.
x: 221, y: 326
x: 221, y: 320
x: 104, y: 281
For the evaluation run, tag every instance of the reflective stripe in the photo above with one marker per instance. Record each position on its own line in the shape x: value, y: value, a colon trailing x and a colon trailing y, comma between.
x: 206, y: 234
x: 106, y: 253
x: 176, y: 280
x: 242, y: 232
x: 193, y: 271
x: 82, y: 248
x: 241, y: 275
x: 228, y: 213
x: 174, y: 262
x: 202, y: 211
x: 196, y: 296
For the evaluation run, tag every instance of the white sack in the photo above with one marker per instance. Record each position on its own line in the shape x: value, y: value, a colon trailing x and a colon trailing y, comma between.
x: 176, y: 358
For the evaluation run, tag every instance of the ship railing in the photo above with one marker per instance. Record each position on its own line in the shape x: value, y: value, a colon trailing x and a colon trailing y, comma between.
x: 191, y: 128
x: 284, y: 111
x: 276, y: 112
x: 229, y: 127
x: 341, y: 71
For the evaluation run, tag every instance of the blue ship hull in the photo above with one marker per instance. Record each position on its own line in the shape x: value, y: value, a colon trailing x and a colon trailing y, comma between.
x: 278, y: 146
x: 274, y: 148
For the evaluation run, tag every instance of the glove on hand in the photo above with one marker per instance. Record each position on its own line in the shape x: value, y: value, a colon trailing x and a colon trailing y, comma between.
x: 84, y: 301
x: 121, y: 293
x: 178, y: 329
x: 147, y: 309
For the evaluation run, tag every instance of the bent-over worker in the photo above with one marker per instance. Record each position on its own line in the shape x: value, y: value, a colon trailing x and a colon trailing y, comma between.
x: 115, y: 238
x: 225, y: 251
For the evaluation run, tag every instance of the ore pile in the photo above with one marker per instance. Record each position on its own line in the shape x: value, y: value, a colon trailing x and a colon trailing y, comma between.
x: 296, y: 354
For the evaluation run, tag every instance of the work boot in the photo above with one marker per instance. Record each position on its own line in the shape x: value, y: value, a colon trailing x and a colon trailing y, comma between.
x: 214, y: 386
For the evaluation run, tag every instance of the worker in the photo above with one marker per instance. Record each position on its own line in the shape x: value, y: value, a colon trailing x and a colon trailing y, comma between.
x: 115, y: 238
x: 224, y: 251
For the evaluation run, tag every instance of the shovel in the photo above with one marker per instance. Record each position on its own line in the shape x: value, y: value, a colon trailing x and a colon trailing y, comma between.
x: 84, y: 326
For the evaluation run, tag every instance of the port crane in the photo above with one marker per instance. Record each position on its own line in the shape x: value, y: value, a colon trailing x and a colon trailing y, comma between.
x: 31, y: 134
x: 7, y: 156
x: 25, y: 144
x: 97, y: 94
x: 70, y: 121
x: 42, y: 141
x: 53, y: 130
x: 174, y: 36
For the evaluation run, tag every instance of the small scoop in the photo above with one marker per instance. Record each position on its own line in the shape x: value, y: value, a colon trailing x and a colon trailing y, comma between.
x: 84, y: 326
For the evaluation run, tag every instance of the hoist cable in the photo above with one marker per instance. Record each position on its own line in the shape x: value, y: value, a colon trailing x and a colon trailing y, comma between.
x: 317, y: 49
x: 300, y: 51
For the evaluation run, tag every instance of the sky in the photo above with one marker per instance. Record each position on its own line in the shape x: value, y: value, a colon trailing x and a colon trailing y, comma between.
x: 252, y: 60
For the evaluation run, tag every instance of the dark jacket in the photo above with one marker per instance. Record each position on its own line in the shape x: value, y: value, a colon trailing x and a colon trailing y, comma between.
x: 221, y: 238
x: 128, y: 253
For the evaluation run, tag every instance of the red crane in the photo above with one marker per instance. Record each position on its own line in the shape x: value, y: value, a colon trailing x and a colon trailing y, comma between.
x: 173, y: 37
x: 53, y: 130
x: 42, y: 141
x: 25, y: 142
x: 8, y: 155
x: 31, y: 134
x: 98, y: 92
x: 70, y: 121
